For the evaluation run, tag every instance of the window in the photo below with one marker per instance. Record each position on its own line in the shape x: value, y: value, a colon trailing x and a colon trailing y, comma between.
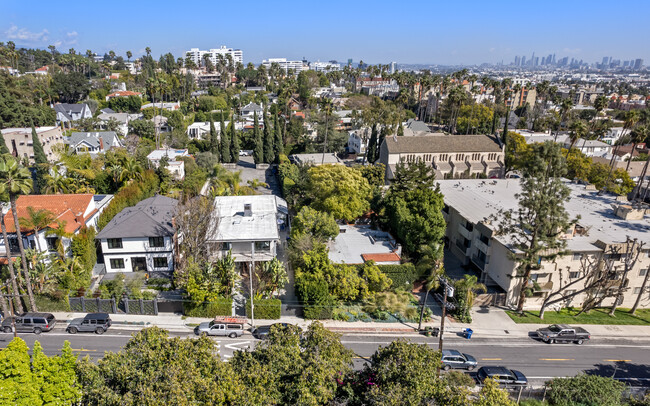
x: 637, y: 291
x: 51, y: 243
x: 160, y: 262
x: 574, y: 275
x: 460, y: 157
x: 643, y: 272
x: 262, y: 245
x: 117, y: 263
x: 114, y: 243
x: 534, y: 277
x: 577, y: 256
x: 156, y: 242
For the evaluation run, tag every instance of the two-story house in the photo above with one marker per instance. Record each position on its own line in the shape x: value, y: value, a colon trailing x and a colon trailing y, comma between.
x: 249, y: 226
x: 19, y: 141
x: 175, y: 165
x: 458, y: 156
x: 72, y: 212
x: 93, y: 142
x: 66, y: 113
x: 249, y: 110
x: 141, y: 238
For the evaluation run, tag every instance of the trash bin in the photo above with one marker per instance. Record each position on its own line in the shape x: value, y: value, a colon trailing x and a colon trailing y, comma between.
x: 468, y: 333
x: 435, y: 332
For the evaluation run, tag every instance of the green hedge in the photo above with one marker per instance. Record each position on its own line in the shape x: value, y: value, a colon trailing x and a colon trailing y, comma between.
x: 46, y: 303
x: 402, y: 275
x: 268, y: 309
x: 221, y: 307
x: 130, y: 195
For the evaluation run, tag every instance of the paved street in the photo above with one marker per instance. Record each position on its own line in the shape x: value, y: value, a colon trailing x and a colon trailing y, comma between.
x: 628, y: 360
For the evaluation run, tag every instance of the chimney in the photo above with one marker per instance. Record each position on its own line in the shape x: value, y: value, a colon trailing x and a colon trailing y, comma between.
x: 101, y: 144
x: 248, y: 210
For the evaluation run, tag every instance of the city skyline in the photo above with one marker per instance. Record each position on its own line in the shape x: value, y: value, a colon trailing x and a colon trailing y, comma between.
x: 371, y: 32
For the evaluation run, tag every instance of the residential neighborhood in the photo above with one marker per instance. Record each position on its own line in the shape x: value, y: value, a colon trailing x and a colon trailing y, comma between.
x: 200, y: 216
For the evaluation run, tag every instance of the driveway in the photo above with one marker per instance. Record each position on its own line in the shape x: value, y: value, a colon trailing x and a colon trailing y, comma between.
x: 269, y: 176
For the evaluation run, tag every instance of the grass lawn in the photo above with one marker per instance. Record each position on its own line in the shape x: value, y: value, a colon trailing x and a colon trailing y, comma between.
x: 596, y: 316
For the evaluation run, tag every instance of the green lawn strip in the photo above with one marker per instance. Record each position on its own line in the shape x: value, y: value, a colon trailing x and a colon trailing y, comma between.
x: 596, y: 316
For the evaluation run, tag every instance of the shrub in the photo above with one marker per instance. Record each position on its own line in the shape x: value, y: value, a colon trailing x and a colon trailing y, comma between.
x: 458, y: 378
x: 586, y: 390
x: 219, y: 307
x: 268, y: 309
x: 402, y: 275
x: 313, y: 293
x: 49, y: 303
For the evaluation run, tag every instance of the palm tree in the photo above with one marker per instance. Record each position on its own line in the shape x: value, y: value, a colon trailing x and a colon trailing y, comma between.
x: 469, y: 284
x: 128, y: 56
x: 17, y: 180
x: 578, y: 130
x: 57, y: 183
x: 130, y: 170
x: 431, y: 264
x: 638, y: 135
x: 17, y: 302
x: 37, y: 220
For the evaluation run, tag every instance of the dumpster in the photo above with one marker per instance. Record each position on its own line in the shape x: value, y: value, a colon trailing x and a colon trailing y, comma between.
x: 468, y: 333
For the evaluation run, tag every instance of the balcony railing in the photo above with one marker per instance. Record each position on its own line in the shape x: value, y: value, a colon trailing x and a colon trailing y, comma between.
x: 464, y: 232
x: 479, y: 262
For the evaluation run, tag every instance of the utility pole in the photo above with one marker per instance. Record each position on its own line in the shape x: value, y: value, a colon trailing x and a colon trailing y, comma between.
x: 449, y: 292
x: 250, y: 277
x: 11, y: 309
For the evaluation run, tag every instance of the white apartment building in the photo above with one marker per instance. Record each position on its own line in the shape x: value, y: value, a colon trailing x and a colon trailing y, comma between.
x: 197, y: 55
x: 296, y: 66
x: 599, y: 236
x: 324, y: 66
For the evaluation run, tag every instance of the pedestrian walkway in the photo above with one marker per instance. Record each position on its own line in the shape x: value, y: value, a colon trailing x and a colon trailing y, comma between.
x: 488, y: 323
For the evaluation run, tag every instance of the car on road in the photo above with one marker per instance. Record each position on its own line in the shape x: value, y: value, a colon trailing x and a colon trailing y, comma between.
x: 457, y: 360
x: 96, y: 323
x: 563, y: 333
x: 502, y: 375
x: 30, y: 323
x: 262, y: 332
x: 217, y: 328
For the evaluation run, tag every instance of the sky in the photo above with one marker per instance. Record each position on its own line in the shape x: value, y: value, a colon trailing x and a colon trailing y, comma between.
x: 448, y: 32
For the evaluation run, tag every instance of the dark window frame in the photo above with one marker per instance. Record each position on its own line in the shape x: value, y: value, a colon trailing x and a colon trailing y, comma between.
x: 115, y: 263
x: 157, y: 265
x: 156, y: 242
x: 114, y: 243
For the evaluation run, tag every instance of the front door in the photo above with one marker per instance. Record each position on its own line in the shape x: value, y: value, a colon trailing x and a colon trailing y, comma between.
x: 139, y: 264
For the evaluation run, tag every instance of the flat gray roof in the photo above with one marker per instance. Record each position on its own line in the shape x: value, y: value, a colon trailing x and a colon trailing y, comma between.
x: 262, y: 225
x: 477, y: 199
x: 348, y: 246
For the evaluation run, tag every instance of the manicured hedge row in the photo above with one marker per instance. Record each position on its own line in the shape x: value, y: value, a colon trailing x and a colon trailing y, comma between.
x: 220, y: 307
x: 402, y: 275
x: 268, y: 309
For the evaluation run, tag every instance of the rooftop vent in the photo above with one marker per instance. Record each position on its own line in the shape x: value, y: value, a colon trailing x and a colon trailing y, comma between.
x: 248, y: 209
x: 627, y: 212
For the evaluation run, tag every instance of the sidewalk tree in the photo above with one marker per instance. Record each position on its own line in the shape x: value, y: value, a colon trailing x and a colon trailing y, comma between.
x: 234, y: 143
x: 339, y: 190
x: 466, y: 289
x: 17, y: 180
x: 535, y: 228
x: 371, y: 150
x: 224, y: 148
x: 492, y: 395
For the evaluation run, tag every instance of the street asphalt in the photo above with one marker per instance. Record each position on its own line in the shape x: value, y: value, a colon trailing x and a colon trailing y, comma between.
x: 628, y: 360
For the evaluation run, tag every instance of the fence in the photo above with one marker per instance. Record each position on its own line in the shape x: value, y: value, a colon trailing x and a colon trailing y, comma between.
x: 490, y: 299
x: 127, y: 306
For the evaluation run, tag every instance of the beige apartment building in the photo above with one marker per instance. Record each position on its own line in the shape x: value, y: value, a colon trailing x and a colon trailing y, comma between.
x: 19, y: 141
x: 598, y: 237
x: 457, y: 156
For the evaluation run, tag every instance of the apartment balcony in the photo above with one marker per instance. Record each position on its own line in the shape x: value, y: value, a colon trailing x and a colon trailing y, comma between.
x: 460, y: 246
x: 480, y: 262
x: 481, y: 245
x: 464, y: 232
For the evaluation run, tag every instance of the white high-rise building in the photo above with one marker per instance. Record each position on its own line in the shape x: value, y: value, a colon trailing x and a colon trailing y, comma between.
x: 324, y: 66
x: 297, y: 66
x: 197, y: 55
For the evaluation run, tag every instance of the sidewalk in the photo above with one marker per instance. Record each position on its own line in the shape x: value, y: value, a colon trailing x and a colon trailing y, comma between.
x: 489, y: 323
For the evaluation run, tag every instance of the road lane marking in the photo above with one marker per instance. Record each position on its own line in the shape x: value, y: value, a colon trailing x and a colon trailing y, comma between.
x: 491, y: 359
x: 618, y: 360
x: 83, y: 350
x: 557, y: 359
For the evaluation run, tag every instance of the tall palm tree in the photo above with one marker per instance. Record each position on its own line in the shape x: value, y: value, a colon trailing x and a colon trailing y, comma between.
x: 431, y: 265
x: 17, y: 180
x: 578, y: 129
x: 18, y: 305
x: 638, y: 135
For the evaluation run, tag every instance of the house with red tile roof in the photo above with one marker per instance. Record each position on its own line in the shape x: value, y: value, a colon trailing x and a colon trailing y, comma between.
x: 70, y: 212
x: 123, y: 93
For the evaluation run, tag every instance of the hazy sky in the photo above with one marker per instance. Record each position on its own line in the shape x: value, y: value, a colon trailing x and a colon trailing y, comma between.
x: 442, y: 32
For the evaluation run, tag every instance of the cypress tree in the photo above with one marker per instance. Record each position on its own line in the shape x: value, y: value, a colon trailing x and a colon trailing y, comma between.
x: 278, y: 145
x: 40, y: 162
x: 234, y: 143
x: 3, y: 145
x: 372, y: 145
x: 400, y: 130
x: 258, y: 153
x: 225, y: 142
x: 269, y: 152
x: 382, y: 137
x: 214, y: 140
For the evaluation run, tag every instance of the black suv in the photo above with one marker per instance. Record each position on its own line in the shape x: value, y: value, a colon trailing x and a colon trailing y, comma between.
x: 30, y: 323
x: 96, y: 323
x: 502, y: 375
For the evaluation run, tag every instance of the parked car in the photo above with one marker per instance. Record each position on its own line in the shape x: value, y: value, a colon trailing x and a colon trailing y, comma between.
x: 30, y: 323
x: 96, y: 323
x: 563, y: 333
x: 456, y: 359
x: 262, y: 332
x: 216, y: 328
x: 502, y: 375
